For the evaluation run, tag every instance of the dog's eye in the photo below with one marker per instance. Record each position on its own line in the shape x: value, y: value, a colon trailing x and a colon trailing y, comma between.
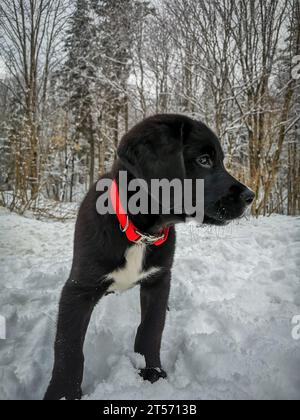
x: 205, y: 161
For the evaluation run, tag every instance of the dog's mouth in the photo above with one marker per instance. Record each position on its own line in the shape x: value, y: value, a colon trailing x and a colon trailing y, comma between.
x: 218, y: 214
x: 217, y: 220
x: 208, y: 220
x: 222, y: 216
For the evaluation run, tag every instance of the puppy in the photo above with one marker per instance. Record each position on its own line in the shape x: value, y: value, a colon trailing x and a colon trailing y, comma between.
x: 115, y: 252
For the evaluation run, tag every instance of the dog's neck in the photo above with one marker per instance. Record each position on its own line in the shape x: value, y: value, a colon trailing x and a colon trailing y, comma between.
x: 146, y: 223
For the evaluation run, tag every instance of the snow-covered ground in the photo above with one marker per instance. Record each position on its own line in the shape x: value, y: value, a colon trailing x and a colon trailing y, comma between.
x: 228, y: 333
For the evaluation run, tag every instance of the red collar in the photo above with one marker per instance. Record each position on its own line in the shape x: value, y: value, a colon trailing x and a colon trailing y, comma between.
x: 133, y: 235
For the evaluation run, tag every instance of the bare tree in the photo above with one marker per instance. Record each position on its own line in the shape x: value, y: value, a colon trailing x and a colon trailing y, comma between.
x: 229, y: 63
x: 30, y: 31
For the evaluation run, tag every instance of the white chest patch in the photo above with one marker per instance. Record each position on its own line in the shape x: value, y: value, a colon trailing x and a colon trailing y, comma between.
x: 128, y: 276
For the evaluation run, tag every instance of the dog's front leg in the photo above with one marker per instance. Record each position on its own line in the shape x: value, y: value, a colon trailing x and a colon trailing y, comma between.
x: 154, y: 303
x: 75, y: 310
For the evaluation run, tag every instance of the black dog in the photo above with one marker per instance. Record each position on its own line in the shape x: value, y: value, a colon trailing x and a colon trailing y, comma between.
x: 105, y: 260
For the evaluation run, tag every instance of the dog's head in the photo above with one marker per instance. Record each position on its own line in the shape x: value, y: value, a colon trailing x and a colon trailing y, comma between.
x: 176, y: 147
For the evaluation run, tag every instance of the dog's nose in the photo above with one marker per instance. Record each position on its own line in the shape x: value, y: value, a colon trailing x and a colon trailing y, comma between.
x: 248, y: 196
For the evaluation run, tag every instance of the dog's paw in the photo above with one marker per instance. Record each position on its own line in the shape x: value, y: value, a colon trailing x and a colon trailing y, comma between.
x: 153, y: 374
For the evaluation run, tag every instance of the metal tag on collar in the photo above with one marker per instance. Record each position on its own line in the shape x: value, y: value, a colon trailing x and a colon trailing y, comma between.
x: 148, y: 239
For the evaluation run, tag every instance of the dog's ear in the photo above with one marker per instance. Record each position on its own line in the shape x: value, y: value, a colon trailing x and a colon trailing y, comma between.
x: 154, y: 150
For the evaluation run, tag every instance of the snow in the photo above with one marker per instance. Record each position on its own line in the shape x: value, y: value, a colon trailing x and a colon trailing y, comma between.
x: 229, y: 330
